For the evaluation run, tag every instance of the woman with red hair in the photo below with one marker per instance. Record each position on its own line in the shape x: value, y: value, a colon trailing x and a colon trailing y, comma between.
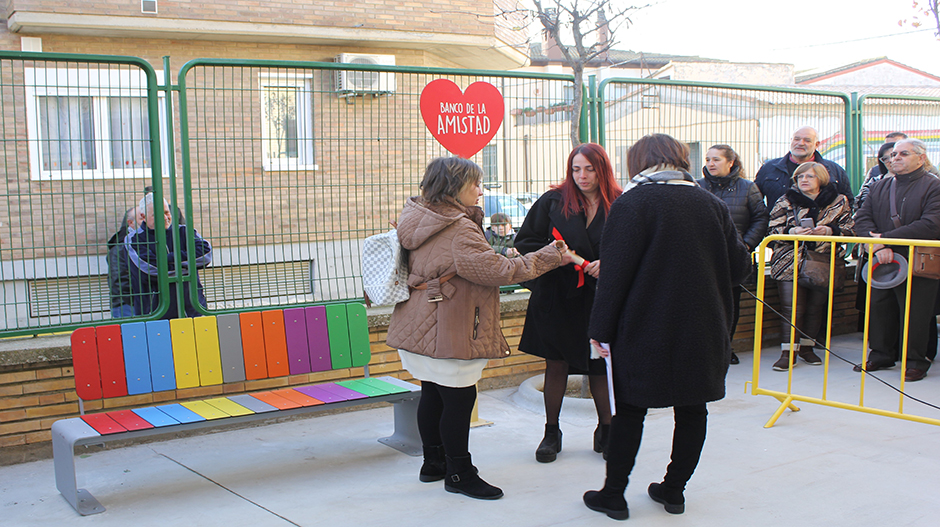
x: 560, y: 305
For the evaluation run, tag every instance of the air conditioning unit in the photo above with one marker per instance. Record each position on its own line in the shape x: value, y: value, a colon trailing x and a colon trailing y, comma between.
x: 364, y: 82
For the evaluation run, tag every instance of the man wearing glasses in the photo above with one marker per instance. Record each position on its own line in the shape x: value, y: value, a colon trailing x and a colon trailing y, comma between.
x: 917, y: 202
x: 881, y: 168
x: 774, y: 178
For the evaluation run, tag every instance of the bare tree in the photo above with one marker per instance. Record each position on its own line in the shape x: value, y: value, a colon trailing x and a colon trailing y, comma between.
x: 591, y: 26
x: 924, y: 10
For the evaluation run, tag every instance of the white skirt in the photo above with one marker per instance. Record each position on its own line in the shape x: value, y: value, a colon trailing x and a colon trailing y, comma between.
x: 453, y: 373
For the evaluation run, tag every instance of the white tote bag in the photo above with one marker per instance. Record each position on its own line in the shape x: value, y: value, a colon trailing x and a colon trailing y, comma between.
x: 384, y: 273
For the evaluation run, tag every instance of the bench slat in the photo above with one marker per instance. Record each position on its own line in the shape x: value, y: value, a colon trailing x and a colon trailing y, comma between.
x: 129, y: 420
x: 230, y: 346
x: 160, y: 351
x: 252, y: 329
x: 180, y: 413
x: 228, y: 406
x: 275, y: 400
x: 317, y: 392
x: 379, y: 384
x: 318, y: 339
x: 275, y: 343
x: 204, y: 409
x: 111, y: 360
x: 85, y: 363
x: 208, y: 357
x: 411, y: 387
x: 136, y: 358
x: 295, y: 330
x: 298, y: 397
x: 342, y: 391
x: 363, y: 388
x: 184, y: 353
x: 339, y: 336
x: 155, y: 417
x: 255, y: 405
x: 103, y: 424
x: 358, y: 322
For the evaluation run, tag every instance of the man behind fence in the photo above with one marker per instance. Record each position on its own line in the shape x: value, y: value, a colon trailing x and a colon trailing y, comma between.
x: 917, y: 201
x: 774, y: 178
x: 141, y: 245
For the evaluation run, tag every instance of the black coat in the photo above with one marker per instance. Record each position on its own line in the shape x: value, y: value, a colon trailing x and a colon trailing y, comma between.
x: 744, y: 201
x: 671, y: 255
x: 557, y: 317
x: 918, y: 204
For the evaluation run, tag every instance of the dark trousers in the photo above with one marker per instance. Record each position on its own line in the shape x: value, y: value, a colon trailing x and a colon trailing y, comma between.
x: 626, y: 431
x: 809, y: 312
x: 444, y: 417
x: 887, y: 319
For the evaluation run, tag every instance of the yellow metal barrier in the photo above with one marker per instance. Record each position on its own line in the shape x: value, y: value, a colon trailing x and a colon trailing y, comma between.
x: 787, y: 398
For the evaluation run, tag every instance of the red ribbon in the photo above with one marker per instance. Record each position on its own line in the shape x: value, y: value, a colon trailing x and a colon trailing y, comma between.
x: 578, y: 268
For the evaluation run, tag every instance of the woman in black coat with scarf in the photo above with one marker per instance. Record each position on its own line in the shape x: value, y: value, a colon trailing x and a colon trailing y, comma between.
x: 671, y: 257
x: 557, y: 316
x: 724, y: 177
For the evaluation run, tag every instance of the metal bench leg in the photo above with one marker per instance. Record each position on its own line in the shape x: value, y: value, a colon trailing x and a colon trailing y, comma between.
x: 406, y: 438
x: 65, y: 434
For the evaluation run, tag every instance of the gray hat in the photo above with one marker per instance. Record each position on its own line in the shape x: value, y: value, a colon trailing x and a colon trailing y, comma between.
x: 889, y: 275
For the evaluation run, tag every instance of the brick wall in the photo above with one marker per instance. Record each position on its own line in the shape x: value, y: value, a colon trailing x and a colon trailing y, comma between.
x: 467, y: 17
x: 32, y: 399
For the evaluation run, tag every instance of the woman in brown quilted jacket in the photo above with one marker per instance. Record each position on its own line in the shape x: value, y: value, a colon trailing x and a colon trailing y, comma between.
x: 448, y: 329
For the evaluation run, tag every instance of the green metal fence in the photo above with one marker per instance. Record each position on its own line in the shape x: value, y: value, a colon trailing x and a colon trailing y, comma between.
x: 286, y: 166
x: 757, y: 121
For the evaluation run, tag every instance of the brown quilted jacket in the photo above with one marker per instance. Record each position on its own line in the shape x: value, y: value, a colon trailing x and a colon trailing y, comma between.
x: 448, y: 238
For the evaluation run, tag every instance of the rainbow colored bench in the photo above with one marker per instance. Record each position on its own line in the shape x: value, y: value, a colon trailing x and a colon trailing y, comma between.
x: 144, y: 357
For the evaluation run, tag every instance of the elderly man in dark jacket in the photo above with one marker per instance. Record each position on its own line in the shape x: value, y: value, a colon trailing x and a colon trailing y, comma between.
x: 774, y: 178
x: 916, y: 194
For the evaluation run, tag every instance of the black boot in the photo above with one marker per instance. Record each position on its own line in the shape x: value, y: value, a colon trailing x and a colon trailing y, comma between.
x: 462, y: 478
x: 601, y: 434
x: 671, y: 499
x: 610, y: 502
x: 434, y: 467
x: 550, y: 446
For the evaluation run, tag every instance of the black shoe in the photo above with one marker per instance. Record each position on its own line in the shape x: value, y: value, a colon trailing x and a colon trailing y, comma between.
x: 550, y: 446
x: 613, y: 506
x: 435, y: 466
x: 462, y: 478
x: 601, y: 433
x: 734, y: 358
x: 674, y: 505
x: 874, y: 366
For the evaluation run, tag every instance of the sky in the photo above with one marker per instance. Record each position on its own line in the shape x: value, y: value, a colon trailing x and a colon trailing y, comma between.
x: 810, y: 34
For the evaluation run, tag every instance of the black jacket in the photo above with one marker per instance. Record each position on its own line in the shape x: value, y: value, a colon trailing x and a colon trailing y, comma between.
x: 557, y: 317
x: 745, y: 203
x: 918, y: 204
x: 670, y: 256
x: 775, y: 177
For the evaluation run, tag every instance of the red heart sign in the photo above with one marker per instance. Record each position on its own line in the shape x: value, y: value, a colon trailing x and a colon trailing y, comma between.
x: 463, y: 123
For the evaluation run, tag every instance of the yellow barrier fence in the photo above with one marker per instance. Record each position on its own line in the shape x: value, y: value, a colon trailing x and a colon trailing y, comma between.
x: 789, y: 396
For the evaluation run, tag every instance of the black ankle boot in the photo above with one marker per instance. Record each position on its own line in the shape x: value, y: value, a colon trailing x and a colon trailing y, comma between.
x: 550, y: 446
x: 435, y: 466
x: 601, y: 433
x: 610, y: 503
x: 672, y: 500
x: 462, y: 478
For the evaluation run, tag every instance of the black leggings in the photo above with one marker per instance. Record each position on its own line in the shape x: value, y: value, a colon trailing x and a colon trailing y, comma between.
x: 626, y: 432
x: 444, y: 417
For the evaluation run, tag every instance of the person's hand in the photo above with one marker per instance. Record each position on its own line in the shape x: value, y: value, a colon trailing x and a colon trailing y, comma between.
x: 593, y: 268
x: 597, y: 347
x: 821, y: 230
x: 798, y: 230
x: 511, y: 252
x: 884, y: 255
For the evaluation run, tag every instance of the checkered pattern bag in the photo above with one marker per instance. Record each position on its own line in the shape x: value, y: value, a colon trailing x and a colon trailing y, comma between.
x: 384, y: 271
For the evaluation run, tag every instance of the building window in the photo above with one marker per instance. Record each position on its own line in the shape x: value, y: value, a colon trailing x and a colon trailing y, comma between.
x: 490, y: 166
x: 287, y: 123
x: 88, y: 124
